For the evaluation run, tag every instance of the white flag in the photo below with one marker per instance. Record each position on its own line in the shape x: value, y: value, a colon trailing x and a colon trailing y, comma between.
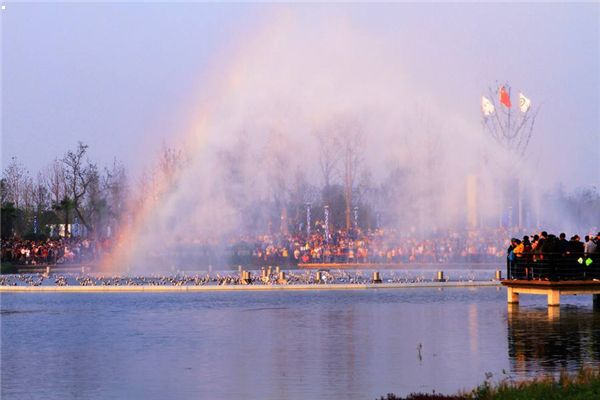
x: 524, y: 103
x: 486, y: 106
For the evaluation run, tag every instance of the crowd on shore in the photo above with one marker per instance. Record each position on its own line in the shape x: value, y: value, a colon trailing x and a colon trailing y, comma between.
x: 52, y: 251
x: 370, y: 246
x: 356, y: 246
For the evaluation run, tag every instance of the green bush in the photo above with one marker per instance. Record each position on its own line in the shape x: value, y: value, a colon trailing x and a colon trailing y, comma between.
x: 8, y: 268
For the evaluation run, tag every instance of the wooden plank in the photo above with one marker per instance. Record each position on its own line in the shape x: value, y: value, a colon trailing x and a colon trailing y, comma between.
x: 568, y: 285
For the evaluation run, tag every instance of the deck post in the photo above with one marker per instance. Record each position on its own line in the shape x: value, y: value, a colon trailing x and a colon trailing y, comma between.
x: 553, y: 313
x: 553, y: 298
x: 281, y: 278
x: 513, y: 297
x: 553, y: 290
x: 440, y: 276
x: 596, y: 302
x: 376, y: 277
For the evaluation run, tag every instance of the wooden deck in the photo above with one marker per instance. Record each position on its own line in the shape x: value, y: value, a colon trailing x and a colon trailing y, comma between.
x: 552, y: 289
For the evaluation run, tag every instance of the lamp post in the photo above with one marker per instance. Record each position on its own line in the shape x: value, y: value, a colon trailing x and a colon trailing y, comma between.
x: 75, y: 229
x: 35, y: 224
x: 307, y: 220
x: 326, y: 212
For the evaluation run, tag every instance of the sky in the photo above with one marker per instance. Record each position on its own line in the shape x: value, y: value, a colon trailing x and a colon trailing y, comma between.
x: 126, y: 77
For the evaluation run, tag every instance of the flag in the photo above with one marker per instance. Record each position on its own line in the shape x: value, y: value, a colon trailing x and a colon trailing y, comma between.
x: 486, y: 106
x: 504, y: 96
x: 524, y: 103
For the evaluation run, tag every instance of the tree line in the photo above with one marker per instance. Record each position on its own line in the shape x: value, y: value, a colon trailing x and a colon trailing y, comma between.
x: 71, y: 189
x: 74, y: 189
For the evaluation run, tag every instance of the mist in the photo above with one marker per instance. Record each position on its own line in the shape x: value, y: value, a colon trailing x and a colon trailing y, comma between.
x: 263, y: 120
x: 290, y: 92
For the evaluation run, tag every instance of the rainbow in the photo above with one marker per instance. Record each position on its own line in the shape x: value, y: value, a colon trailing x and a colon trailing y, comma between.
x: 130, y: 234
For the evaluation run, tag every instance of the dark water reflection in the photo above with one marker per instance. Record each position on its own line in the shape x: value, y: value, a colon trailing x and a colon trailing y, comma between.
x: 553, y: 339
x: 296, y: 345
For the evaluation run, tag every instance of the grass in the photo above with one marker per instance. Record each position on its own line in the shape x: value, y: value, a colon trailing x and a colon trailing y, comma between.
x: 583, y: 385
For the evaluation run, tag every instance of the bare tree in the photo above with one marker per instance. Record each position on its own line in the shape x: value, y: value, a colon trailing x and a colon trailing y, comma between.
x: 27, y: 194
x: 114, y: 187
x: 96, y: 204
x: 363, y: 192
x: 234, y: 161
x: 151, y: 184
x: 350, y: 136
x: 329, y: 155
x: 393, y: 201
x: 163, y: 177
x: 79, y: 173
x: 171, y: 161
x: 276, y: 158
x: 56, y: 182
x: 41, y: 194
x: 15, y: 176
x: 3, y: 191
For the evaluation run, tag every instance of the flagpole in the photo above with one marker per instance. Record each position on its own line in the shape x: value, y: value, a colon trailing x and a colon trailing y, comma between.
x: 530, y: 131
x: 509, y: 108
x: 520, y: 203
x: 514, y: 138
x: 496, y: 114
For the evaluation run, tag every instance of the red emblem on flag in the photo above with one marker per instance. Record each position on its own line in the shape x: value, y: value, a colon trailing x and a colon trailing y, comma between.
x: 504, y: 97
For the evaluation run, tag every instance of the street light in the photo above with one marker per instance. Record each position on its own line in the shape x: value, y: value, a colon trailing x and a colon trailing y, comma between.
x: 307, y: 219
x: 326, y: 212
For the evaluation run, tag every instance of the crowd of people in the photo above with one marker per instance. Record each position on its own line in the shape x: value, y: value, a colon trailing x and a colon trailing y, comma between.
x: 51, y: 251
x: 547, y: 256
x: 382, y: 246
x: 545, y: 243
x: 356, y: 246
x: 377, y: 246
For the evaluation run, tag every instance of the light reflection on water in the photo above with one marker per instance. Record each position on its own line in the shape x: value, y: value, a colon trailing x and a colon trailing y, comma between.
x: 272, y: 345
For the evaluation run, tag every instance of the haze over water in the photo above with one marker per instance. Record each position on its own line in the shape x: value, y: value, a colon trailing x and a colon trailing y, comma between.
x: 252, y: 93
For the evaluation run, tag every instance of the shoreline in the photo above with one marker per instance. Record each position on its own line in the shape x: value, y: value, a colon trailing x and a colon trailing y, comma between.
x: 95, y: 267
x: 221, y: 288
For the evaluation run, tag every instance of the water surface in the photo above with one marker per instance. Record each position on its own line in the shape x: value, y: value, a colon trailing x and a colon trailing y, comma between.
x: 283, y: 345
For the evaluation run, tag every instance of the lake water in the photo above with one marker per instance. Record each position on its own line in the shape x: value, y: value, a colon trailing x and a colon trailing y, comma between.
x: 357, y: 344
